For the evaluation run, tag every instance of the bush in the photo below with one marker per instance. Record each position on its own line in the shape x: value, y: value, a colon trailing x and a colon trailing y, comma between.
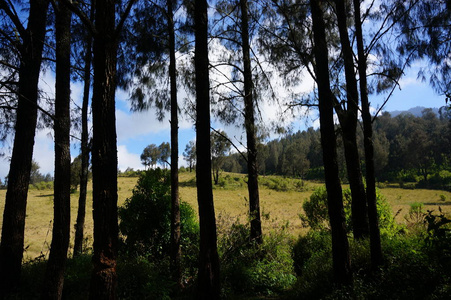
x: 283, y: 184
x: 407, y: 185
x: 316, y: 214
x: 140, y: 279
x: 415, y: 217
x: 247, y: 268
x: 440, y: 180
x: 312, y: 259
x: 42, y: 185
x: 408, y: 271
x: 314, y: 243
x: 229, y: 182
x: 145, y: 217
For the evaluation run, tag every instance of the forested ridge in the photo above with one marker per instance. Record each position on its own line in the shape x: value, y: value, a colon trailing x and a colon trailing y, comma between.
x: 408, y: 148
x: 222, y: 63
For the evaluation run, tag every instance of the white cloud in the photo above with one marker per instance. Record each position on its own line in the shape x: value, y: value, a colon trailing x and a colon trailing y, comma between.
x: 44, y: 153
x: 130, y: 125
x: 127, y: 159
x: 409, y: 81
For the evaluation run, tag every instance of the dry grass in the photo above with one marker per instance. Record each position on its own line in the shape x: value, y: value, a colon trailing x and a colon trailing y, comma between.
x: 278, y: 208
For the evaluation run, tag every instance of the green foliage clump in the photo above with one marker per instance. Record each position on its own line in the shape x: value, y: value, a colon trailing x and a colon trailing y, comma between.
x: 229, y: 182
x: 407, y: 185
x: 408, y: 272
x: 250, y: 269
x: 316, y: 214
x: 439, y: 180
x: 78, y: 277
x: 138, y: 278
x: 439, y: 234
x: 282, y: 184
x: 42, y: 185
x: 145, y: 217
x: 415, y: 217
x: 306, y: 248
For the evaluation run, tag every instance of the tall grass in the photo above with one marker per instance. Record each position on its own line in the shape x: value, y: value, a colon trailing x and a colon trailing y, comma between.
x: 417, y: 262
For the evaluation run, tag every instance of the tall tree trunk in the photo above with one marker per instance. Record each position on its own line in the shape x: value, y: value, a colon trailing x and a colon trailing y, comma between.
x: 348, y: 121
x: 375, y: 236
x: 340, y: 246
x: 12, y: 242
x: 249, y: 121
x: 176, y: 253
x: 81, y: 213
x: 208, y: 282
x: 54, y: 276
x: 104, y: 154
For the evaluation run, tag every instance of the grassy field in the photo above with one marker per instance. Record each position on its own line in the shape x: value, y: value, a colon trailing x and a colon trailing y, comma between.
x: 279, y: 208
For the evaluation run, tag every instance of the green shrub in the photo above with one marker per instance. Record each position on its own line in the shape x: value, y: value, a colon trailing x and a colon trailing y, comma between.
x: 314, y: 243
x: 282, y: 184
x: 316, y: 215
x: 416, y: 215
x: 42, y: 185
x: 408, y: 272
x: 140, y: 279
x: 439, y: 235
x: 407, y: 185
x: 317, y: 218
x: 250, y: 269
x: 408, y: 176
x: 145, y: 217
x: 229, y: 182
x: 78, y: 277
x: 312, y: 259
x: 439, y: 180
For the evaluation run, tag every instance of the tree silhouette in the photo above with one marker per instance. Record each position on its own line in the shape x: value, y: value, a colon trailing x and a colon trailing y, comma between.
x: 30, y: 51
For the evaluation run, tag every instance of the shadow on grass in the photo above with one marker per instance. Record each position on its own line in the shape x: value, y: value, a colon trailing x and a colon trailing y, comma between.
x: 189, y: 183
x: 438, y: 203
x: 43, y: 196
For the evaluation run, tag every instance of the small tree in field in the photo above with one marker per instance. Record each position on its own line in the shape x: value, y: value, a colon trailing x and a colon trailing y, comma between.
x: 220, y: 147
x: 190, y: 154
x: 150, y: 156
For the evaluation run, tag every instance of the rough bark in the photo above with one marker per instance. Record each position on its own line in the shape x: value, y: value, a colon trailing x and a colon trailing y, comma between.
x: 12, y: 242
x: 340, y: 247
x: 81, y: 213
x: 176, y: 253
x: 249, y: 122
x: 208, y: 280
x: 104, y: 154
x: 56, y: 265
x: 375, y: 237
x: 348, y: 121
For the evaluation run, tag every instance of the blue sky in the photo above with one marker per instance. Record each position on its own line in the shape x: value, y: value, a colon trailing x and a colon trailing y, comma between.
x: 137, y: 130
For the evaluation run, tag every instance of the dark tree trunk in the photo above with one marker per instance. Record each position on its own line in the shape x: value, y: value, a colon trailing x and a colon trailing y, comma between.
x: 12, y: 242
x: 208, y: 281
x: 81, y: 213
x: 375, y: 236
x: 216, y: 176
x: 340, y: 246
x: 348, y: 121
x: 104, y: 154
x: 249, y: 121
x: 176, y: 253
x: 54, y: 276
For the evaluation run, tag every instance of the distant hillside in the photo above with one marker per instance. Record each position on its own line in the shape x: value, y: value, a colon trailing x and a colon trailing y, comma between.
x: 416, y: 111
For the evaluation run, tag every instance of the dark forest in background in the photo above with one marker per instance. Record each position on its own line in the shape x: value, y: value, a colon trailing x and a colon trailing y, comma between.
x: 408, y: 149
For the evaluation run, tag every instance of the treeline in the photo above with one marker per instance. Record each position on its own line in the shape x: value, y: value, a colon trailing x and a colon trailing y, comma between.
x: 407, y: 149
